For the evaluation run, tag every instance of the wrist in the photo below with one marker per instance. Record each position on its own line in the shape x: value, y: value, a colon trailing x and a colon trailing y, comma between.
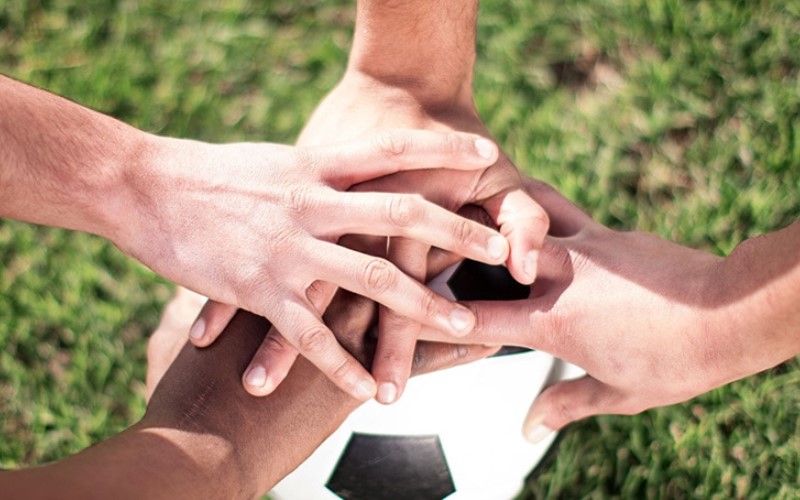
x: 724, y: 333
x: 426, y: 49
x: 148, y: 175
x: 255, y: 441
x: 431, y: 95
x: 116, y: 194
x: 759, y: 286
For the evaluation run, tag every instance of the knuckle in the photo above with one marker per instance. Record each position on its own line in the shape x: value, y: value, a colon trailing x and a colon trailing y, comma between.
x: 393, y: 355
x: 564, y: 412
x: 428, y: 304
x: 343, y: 371
x: 253, y: 288
x: 274, y: 344
x: 405, y: 210
x: 419, y: 361
x: 539, y: 218
x: 300, y: 199
x: 452, y: 144
x: 304, y: 159
x: 379, y: 275
x: 404, y: 324
x: 392, y: 144
x: 316, y: 291
x: 285, y: 240
x: 349, y: 318
x: 313, y: 340
x: 463, y: 233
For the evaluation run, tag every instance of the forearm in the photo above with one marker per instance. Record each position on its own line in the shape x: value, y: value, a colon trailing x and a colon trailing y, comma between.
x: 425, y: 47
x: 138, y: 463
x: 61, y: 164
x: 268, y: 437
x: 203, y: 436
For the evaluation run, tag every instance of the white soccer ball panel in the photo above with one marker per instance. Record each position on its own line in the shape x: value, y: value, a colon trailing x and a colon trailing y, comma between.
x: 477, y: 410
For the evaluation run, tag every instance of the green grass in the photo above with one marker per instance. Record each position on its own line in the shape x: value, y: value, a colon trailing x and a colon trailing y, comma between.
x: 677, y: 117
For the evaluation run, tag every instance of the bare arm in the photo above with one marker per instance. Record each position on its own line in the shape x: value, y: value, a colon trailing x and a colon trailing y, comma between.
x: 652, y: 322
x: 411, y: 65
x: 62, y: 164
x: 757, y: 295
x: 203, y: 436
x: 250, y: 224
x: 425, y: 48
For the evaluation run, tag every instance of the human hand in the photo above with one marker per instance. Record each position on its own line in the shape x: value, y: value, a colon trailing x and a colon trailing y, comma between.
x: 367, y: 105
x: 202, y: 436
x: 254, y: 225
x: 649, y: 320
x: 273, y: 435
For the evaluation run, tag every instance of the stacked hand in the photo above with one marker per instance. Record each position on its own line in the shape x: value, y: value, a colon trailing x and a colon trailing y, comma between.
x: 652, y: 322
x: 355, y: 109
x: 262, y: 237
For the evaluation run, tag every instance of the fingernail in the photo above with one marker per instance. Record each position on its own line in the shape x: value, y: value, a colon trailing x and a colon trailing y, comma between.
x: 198, y: 329
x: 529, y: 264
x: 364, y: 390
x: 538, y: 433
x: 387, y: 393
x: 496, y: 248
x: 485, y: 148
x: 461, y: 319
x: 256, y: 377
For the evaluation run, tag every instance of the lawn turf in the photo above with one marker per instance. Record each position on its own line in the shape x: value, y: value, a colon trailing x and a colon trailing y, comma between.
x: 676, y: 117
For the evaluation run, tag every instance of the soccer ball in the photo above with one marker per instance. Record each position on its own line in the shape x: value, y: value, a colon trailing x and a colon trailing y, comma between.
x: 454, y: 434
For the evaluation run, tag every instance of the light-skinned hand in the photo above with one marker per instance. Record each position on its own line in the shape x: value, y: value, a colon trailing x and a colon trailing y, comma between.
x: 652, y: 322
x: 366, y: 106
x: 255, y: 225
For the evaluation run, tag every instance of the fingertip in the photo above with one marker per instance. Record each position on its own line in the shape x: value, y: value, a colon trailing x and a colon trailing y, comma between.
x: 462, y: 321
x: 387, y: 393
x: 524, y: 268
x: 497, y: 248
x: 255, y: 379
x: 210, y: 323
x: 530, y: 264
x: 364, y: 390
x: 537, y: 432
x: 525, y: 225
x: 486, y: 149
x: 197, y: 332
x: 535, y: 429
x: 567, y: 402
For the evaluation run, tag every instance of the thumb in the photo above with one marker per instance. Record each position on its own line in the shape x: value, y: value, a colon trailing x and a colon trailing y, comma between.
x: 524, y: 223
x: 567, y: 402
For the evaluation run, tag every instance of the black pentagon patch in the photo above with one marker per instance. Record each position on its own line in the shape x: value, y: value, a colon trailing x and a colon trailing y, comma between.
x: 378, y: 467
x: 478, y: 281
